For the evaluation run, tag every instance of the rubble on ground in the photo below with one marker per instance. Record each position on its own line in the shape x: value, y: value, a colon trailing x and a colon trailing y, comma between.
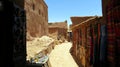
x: 37, y: 45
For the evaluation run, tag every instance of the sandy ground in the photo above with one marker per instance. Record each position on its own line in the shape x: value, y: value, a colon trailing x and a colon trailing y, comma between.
x: 61, y: 57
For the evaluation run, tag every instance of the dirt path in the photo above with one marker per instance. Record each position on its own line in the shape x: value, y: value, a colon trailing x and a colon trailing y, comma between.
x: 61, y: 57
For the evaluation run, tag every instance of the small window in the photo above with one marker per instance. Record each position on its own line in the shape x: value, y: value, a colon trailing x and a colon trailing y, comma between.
x: 33, y: 6
x: 39, y: 12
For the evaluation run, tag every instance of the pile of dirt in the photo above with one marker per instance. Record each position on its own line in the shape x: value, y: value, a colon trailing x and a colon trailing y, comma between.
x: 37, y: 45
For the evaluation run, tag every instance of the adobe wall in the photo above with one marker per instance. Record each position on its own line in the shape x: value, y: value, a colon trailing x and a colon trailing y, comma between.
x: 37, y: 17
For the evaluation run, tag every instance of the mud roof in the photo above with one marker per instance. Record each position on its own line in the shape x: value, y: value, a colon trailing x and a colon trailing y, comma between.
x: 78, y: 19
x: 58, y: 25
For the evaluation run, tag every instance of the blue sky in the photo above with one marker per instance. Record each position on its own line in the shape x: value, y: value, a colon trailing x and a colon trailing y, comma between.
x: 61, y: 10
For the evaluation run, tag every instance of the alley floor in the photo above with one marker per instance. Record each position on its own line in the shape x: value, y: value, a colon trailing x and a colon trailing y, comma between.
x: 61, y: 57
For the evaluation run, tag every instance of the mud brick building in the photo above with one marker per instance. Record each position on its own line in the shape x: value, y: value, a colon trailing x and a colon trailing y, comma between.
x: 81, y: 44
x: 37, y: 17
x: 99, y: 37
x: 58, y: 30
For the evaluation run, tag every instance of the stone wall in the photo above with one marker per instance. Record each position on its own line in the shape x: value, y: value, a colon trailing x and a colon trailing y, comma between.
x: 37, y: 17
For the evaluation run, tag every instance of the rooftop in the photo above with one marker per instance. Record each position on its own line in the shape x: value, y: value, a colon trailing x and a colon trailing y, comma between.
x: 78, y: 19
x: 58, y: 24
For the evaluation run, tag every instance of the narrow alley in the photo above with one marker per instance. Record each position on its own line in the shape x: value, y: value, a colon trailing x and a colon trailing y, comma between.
x: 61, y: 57
x: 60, y: 33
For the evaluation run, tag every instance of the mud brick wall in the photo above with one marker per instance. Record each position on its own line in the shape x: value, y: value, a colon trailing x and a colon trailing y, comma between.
x: 37, y: 17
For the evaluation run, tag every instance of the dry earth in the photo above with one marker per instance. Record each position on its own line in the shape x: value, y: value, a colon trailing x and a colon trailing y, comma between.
x: 61, y: 57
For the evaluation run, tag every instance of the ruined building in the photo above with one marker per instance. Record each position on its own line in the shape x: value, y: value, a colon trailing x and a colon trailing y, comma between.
x: 58, y: 30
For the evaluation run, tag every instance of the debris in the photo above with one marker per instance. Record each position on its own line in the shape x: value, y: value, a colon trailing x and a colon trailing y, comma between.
x: 37, y: 45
